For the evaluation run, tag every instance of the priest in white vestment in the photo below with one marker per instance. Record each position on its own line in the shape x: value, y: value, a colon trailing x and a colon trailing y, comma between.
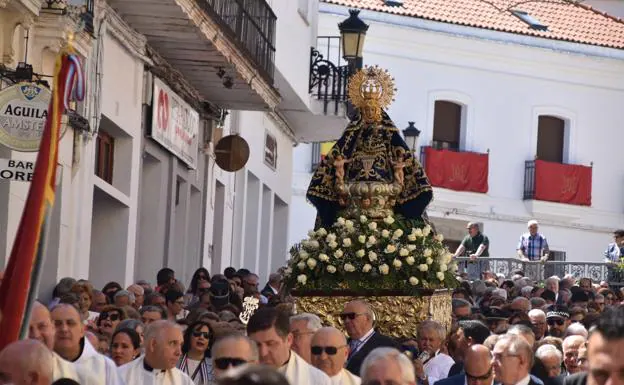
x: 270, y: 329
x: 163, y: 348
x: 70, y: 343
x: 329, y: 353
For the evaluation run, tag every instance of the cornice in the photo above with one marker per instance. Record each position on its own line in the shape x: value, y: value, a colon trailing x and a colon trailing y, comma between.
x: 133, y: 41
x: 282, y: 125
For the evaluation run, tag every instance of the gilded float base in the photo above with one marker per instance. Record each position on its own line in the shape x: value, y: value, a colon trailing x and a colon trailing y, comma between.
x: 396, y: 316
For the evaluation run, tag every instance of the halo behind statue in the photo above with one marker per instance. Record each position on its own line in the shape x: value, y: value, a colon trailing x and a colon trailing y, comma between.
x: 371, y: 86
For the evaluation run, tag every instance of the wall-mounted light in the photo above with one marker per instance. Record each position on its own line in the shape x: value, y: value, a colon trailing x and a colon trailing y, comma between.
x: 411, y: 134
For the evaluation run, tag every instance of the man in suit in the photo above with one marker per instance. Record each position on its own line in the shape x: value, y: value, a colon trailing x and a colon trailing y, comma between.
x: 358, y: 320
x: 604, y: 352
x: 468, y: 333
x: 512, y: 361
x: 477, y: 370
x: 273, y: 286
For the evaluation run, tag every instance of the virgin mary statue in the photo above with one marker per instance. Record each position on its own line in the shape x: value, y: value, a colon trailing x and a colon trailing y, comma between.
x: 370, y: 170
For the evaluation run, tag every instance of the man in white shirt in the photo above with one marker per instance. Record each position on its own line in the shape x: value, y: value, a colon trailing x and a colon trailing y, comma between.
x: 26, y: 362
x: 329, y: 353
x: 303, y: 326
x: 436, y: 367
x: 163, y: 347
x: 270, y: 329
x: 512, y: 358
x: 70, y: 343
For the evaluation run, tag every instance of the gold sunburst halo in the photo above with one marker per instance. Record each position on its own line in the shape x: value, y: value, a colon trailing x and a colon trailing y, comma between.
x: 371, y: 85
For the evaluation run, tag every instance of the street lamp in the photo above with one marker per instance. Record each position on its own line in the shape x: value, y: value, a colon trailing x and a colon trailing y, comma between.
x: 352, y: 33
x: 411, y: 134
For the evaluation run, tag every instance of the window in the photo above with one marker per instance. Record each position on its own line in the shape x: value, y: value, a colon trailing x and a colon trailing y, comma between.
x: 303, y: 8
x: 104, y: 151
x: 447, y: 121
x: 550, y: 137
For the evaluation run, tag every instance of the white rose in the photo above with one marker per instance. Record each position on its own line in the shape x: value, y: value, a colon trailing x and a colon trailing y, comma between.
x: 413, y: 281
x: 331, y: 269
x: 417, y: 232
x: 302, y: 279
x: 314, y: 245
x: 349, y: 267
x: 305, y: 243
x: 366, y: 268
x: 410, y: 260
x: 311, y: 233
x: 321, y: 232
x: 385, y: 233
x: 338, y: 253
x: 331, y: 237
x: 429, y: 261
x: 411, y: 247
x: 447, y: 258
x: 362, y: 239
x: 311, y: 263
x: 426, y: 230
x: 384, y: 269
x: 403, y: 252
x: 301, y: 265
x: 323, y: 257
x: 346, y: 242
x: 288, y: 272
x: 349, y: 224
x: 427, y: 252
x: 411, y: 237
x: 389, y: 220
x: 363, y: 219
x: 360, y: 253
x: 303, y: 254
x: 372, y: 256
x: 443, y: 267
x: 372, y: 225
x: 397, y: 234
x: 397, y: 263
x: 372, y: 240
x: 340, y: 221
x: 332, y: 244
x: 423, y: 267
x: 440, y: 275
x: 390, y: 249
x: 439, y: 238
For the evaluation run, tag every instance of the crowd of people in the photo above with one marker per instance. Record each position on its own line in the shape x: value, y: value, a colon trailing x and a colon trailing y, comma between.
x: 504, y: 330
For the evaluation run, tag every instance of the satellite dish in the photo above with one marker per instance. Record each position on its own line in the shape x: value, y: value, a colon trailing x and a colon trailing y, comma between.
x: 232, y: 153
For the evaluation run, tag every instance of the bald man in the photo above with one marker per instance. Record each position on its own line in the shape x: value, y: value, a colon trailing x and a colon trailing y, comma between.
x: 70, y: 343
x: 26, y: 362
x: 477, y: 368
x: 163, y: 344
x: 329, y: 353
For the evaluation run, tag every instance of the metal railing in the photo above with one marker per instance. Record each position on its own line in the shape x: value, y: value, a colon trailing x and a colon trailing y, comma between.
x: 328, y: 76
x: 316, y: 156
x: 529, y: 180
x: 538, y: 271
x: 252, y: 24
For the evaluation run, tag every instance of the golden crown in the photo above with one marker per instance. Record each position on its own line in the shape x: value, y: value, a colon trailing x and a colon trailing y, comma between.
x: 371, y: 86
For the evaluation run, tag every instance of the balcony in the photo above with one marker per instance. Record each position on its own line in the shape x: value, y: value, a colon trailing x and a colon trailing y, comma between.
x: 557, y: 182
x: 224, y: 48
x: 80, y: 10
x: 537, y: 271
x: 327, y: 80
x: 456, y: 170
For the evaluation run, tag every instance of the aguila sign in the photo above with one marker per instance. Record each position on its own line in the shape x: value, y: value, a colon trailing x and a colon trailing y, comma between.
x: 23, y: 113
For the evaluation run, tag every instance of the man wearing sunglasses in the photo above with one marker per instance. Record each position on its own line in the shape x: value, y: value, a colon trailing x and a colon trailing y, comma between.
x: 232, y: 351
x: 358, y: 320
x: 558, y: 319
x: 329, y: 353
x: 477, y: 368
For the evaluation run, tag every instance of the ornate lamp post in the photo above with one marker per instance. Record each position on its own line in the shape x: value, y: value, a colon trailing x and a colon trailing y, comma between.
x: 352, y: 34
x: 411, y: 134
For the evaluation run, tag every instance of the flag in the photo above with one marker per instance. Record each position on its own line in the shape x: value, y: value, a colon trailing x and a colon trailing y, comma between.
x: 21, y: 276
x: 457, y: 170
x: 564, y: 183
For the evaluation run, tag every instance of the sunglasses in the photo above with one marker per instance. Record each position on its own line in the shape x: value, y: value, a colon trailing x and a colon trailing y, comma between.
x: 225, y: 362
x: 197, y: 333
x: 552, y: 322
x: 330, y: 350
x: 110, y: 316
x: 202, y: 277
x: 351, y: 316
x: 484, y: 377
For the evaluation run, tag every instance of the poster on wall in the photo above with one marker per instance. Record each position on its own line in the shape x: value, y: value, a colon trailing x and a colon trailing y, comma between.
x: 270, y: 150
x: 175, y: 125
x: 23, y: 112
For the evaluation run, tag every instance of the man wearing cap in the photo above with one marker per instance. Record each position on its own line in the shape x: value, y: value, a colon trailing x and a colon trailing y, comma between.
x: 474, y: 245
x: 558, y: 319
x: 533, y: 245
x: 497, y: 320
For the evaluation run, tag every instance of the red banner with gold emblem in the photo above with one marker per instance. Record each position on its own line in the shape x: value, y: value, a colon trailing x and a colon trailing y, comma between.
x: 564, y: 183
x: 459, y: 171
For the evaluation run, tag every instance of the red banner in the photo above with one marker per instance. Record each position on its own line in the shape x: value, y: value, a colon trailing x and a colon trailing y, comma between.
x: 459, y: 171
x: 564, y: 183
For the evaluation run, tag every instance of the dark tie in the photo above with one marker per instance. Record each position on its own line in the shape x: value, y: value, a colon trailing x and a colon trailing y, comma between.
x: 353, y: 345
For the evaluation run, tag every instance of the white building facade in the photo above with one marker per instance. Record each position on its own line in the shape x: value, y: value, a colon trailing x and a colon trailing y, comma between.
x: 501, y: 85
x: 130, y: 199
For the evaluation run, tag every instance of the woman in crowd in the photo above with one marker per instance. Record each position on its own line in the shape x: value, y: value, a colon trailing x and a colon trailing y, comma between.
x: 125, y: 346
x: 135, y: 325
x: 109, y: 318
x: 85, y: 300
x: 195, y: 360
x: 201, y: 276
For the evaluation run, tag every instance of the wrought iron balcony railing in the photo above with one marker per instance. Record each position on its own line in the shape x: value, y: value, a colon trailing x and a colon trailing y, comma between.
x: 252, y: 24
x: 328, y: 78
x: 81, y: 10
x: 538, y: 271
x: 529, y: 180
x: 316, y: 156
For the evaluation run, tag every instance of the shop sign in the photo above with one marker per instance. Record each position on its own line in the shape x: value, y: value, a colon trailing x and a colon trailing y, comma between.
x: 23, y: 113
x: 16, y: 170
x: 175, y: 125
